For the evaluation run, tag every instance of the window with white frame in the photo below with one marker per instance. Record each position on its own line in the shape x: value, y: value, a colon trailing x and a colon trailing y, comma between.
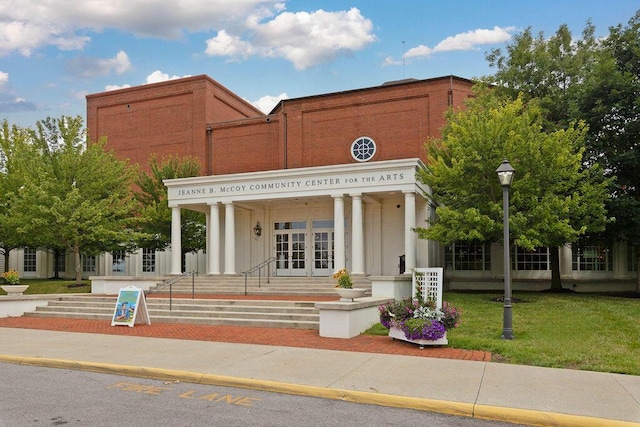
x: 88, y: 263
x: 632, y: 258
x: 363, y: 149
x: 118, y: 261
x: 61, y: 262
x: 469, y: 256
x: 591, y: 257
x: 537, y: 259
x: 148, y: 260
x: 29, y: 260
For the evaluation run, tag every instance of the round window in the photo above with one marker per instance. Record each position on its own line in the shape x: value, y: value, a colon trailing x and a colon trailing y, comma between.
x: 363, y: 148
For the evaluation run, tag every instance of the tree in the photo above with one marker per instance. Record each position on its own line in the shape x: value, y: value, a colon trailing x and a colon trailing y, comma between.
x: 554, y: 200
x: 12, y: 140
x: 154, y: 207
x: 601, y: 86
x: 609, y: 101
x: 73, y: 193
x: 545, y: 69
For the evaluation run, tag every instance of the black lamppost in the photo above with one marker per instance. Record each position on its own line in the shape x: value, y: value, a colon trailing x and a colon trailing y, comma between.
x: 505, y: 175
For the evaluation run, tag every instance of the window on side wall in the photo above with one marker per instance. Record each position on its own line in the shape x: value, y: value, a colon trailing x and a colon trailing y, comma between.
x: 525, y: 260
x: 29, y: 260
x: 148, y: 260
x: 591, y: 257
x: 468, y: 256
x: 88, y: 263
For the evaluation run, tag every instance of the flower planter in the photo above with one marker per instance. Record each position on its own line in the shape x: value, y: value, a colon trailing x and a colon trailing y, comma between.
x: 397, y: 334
x: 14, y: 289
x: 349, y: 294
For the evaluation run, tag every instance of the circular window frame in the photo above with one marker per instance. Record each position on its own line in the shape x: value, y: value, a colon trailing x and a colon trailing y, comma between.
x: 363, y: 155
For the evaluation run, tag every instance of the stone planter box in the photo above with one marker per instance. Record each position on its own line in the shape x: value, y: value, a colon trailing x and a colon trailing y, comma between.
x: 14, y: 289
x: 397, y: 334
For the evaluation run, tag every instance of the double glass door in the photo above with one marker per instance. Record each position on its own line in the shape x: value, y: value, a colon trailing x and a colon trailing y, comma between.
x: 295, y: 254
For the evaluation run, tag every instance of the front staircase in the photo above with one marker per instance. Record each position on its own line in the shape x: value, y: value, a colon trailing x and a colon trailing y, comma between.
x: 236, y: 285
x: 185, y: 301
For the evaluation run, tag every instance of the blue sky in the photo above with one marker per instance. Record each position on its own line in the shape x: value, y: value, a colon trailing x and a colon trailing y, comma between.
x: 54, y: 53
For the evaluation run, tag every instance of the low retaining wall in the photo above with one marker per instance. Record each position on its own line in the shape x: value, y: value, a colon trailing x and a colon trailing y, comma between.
x: 111, y: 285
x: 16, y: 306
x: 395, y: 287
x: 347, y: 319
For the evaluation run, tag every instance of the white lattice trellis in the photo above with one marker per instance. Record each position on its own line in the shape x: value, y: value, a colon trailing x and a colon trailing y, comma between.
x: 429, y: 281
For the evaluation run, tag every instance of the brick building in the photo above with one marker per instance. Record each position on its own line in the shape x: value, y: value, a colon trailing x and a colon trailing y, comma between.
x: 330, y: 179
x: 320, y: 183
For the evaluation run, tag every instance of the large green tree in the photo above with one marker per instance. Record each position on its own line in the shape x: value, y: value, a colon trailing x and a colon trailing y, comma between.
x: 554, y: 200
x: 596, y: 81
x: 72, y: 193
x: 154, y: 207
x: 608, y: 99
x: 12, y: 140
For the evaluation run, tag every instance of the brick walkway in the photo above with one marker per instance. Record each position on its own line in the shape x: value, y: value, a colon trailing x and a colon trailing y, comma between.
x: 246, y: 335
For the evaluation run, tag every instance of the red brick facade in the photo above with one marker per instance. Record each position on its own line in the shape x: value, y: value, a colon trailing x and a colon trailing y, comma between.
x: 197, y: 116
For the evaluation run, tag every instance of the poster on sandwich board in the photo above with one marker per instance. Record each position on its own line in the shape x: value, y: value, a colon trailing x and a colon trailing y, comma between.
x: 131, y: 306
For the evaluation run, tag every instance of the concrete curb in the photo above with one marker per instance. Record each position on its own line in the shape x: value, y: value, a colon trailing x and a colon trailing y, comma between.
x: 495, y: 413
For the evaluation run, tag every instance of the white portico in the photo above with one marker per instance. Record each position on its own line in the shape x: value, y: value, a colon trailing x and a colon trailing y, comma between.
x: 314, y: 220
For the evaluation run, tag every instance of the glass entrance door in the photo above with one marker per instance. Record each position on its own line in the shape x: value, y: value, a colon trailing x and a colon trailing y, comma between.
x: 322, y: 252
x: 290, y: 248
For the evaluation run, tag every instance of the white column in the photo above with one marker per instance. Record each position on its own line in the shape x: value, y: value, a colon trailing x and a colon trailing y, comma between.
x: 229, y: 239
x: 176, y: 242
x: 357, y: 235
x: 410, y: 237
x: 213, y: 235
x: 338, y: 229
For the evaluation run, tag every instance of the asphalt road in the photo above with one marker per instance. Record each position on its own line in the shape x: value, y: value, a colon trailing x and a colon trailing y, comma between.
x: 35, y: 396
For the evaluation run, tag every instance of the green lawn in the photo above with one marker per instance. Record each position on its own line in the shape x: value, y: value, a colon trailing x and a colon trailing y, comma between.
x: 575, y: 331
x: 47, y: 286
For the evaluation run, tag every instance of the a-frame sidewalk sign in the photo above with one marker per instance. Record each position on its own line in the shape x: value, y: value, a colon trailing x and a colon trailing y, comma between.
x: 131, y: 306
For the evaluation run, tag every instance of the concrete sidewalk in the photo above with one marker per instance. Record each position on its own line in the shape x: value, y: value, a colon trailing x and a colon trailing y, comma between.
x: 512, y: 393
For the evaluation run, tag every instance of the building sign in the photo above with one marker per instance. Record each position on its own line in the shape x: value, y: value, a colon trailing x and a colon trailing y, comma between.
x: 324, y: 180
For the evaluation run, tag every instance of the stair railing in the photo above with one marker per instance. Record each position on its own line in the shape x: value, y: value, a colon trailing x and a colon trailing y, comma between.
x: 171, y: 281
x: 264, y: 264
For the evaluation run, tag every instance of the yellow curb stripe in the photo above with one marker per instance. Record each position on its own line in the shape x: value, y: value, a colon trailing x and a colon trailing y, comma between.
x: 496, y: 413
x: 406, y: 402
x: 542, y: 418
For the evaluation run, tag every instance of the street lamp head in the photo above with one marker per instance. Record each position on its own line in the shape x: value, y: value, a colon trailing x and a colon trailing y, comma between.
x: 505, y: 173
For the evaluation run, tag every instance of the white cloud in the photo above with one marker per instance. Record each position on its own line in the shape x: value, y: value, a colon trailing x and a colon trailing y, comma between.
x: 244, y: 27
x: 268, y: 102
x: 108, y: 88
x: 463, y: 41
x: 226, y: 45
x: 306, y: 39
x: 65, y: 23
x: 4, y: 79
x: 158, y: 76
x: 83, y: 66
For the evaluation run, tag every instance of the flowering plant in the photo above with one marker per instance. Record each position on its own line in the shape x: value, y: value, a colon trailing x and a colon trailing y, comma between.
x: 11, y: 277
x: 343, y: 278
x: 418, y: 318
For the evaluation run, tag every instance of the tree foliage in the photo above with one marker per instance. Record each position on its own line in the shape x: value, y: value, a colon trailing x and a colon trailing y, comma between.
x: 554, y: 199
x: 154, y: 207
x: 70, y: 193
x: 598, y: 82
x: 12, y: 140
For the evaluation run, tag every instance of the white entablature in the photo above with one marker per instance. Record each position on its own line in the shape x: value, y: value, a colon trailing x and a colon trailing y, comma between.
x: 374, y: 177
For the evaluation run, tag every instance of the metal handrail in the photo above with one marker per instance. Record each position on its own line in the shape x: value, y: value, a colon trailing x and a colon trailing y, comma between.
x: 170, y: 282
x: 266, y: 263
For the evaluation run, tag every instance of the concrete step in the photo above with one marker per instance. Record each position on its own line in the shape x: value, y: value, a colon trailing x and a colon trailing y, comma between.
x: 259, y: 313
